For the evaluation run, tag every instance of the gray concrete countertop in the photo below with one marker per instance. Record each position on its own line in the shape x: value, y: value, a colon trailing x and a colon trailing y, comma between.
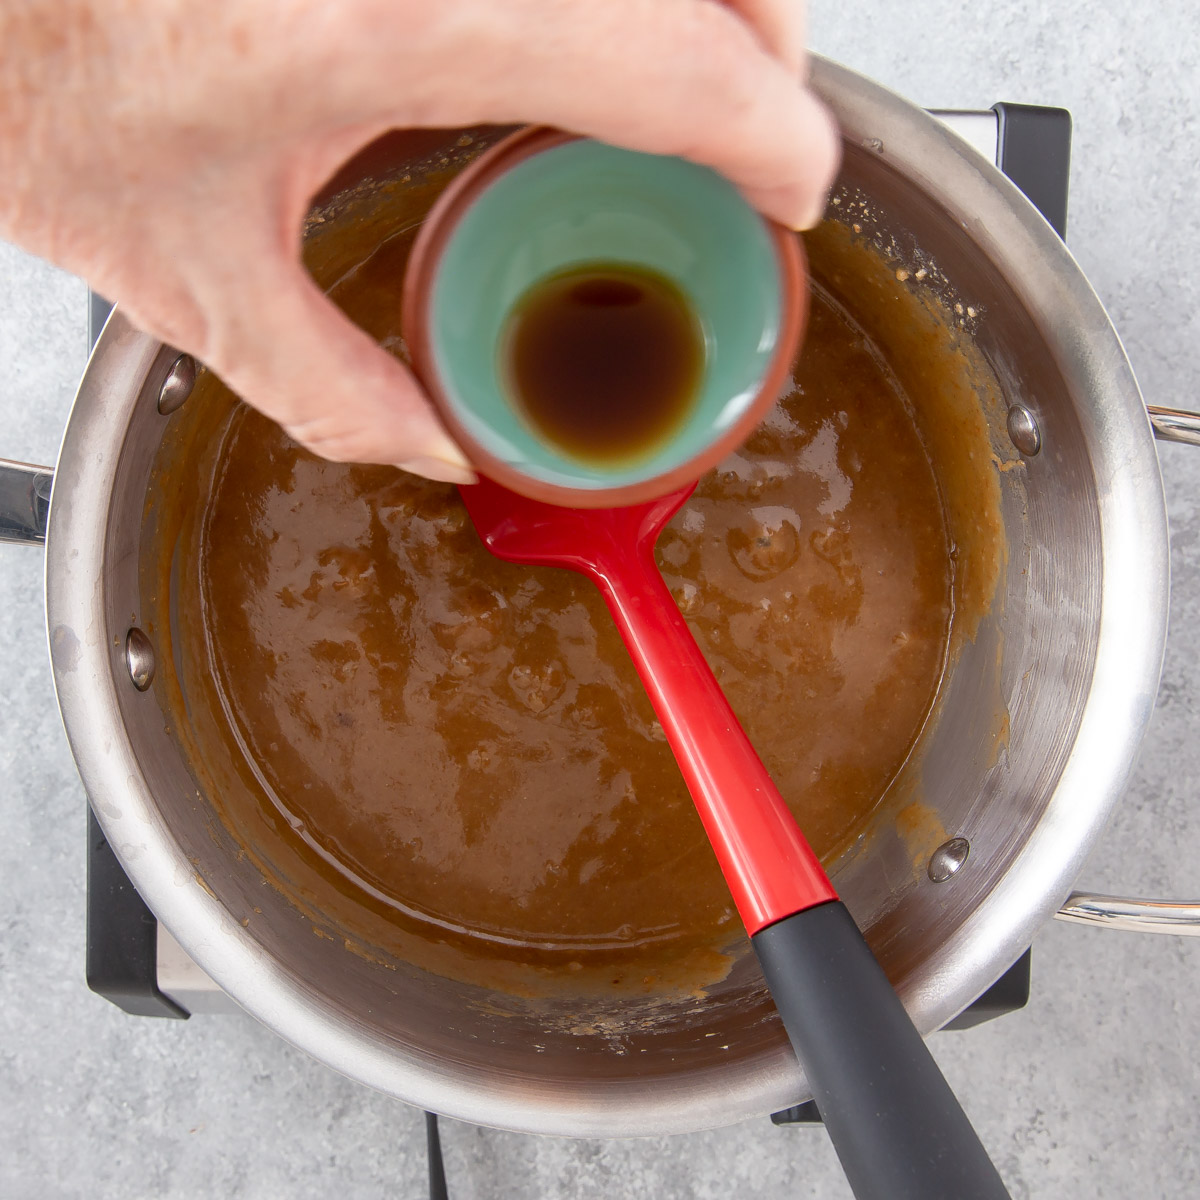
x: 1091, y: 1091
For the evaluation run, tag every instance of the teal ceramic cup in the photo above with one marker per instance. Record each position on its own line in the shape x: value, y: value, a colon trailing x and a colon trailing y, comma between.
x: 542, y: 202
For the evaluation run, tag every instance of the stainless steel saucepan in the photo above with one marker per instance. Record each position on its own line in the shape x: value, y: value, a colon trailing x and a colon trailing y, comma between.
x: 1072, y: 656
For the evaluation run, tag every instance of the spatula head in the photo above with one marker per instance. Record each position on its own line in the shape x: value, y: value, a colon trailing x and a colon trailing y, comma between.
x: 521, y: 530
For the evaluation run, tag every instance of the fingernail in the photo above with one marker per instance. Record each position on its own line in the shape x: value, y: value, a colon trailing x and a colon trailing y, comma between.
x: 813, y: 215
x: 441, y: 469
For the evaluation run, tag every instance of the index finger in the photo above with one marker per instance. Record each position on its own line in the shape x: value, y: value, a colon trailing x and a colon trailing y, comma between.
x: 684, y: 77
x: 782, y: 28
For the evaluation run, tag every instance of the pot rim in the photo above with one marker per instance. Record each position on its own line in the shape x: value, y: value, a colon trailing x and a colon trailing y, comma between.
x: 1119, y: 703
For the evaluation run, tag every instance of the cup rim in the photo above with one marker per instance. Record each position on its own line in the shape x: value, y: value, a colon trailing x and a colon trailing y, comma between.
x: 431, y: 241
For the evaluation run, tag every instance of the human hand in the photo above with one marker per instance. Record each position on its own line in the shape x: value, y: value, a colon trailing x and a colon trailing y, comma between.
x: 168, y: 154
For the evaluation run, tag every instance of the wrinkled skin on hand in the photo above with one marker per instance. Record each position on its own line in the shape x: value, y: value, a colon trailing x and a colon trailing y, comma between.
x: 167, y: 152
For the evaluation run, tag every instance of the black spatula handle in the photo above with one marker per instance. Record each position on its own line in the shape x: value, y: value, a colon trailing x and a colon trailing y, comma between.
x: 896, y: 1125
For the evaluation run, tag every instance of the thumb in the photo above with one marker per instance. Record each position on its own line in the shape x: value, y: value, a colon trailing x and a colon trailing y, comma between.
x: 293, y: 355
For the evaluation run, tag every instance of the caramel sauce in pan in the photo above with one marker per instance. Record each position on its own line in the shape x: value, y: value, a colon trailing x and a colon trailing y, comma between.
x: 445, y: 760
x: 451, y: 757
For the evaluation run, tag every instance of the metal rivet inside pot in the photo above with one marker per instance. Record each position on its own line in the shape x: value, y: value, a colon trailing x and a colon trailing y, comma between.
x: 178, y: 385
x: 947, y: 858
x: 1023, y: 430
x: 139, y: 657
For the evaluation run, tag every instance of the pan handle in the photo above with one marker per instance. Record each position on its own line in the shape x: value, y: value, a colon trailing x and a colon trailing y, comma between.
x: 1135, y: 916
x: 1125, y: 912
x: 1174, y: 424
x: 24, y: 502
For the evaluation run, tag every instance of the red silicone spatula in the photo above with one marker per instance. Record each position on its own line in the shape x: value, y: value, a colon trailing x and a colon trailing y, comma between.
x: 896, y: 1125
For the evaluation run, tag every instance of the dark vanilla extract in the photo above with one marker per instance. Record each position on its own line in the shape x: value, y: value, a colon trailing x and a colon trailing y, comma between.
x: 604, y: 361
